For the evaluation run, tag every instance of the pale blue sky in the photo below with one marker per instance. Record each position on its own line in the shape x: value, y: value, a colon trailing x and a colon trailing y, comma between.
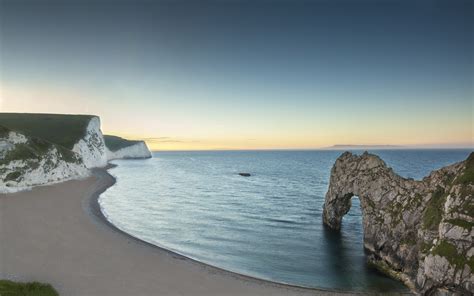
x: 247, y: 74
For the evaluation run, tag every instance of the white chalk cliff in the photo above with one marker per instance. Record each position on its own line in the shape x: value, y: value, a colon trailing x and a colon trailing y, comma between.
x: 92, y: 146
x: 138, y: 150
x: 29, y: 161
x: 26, y: 162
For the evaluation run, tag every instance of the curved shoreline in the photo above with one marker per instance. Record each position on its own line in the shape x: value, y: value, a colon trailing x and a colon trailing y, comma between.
x: 57, y: 234
x: 99, y: 215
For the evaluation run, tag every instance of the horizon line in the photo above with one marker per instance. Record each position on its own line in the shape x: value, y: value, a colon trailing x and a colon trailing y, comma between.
x: 315, y: 149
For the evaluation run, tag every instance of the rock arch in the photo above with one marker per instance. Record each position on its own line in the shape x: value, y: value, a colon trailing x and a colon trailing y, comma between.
x: 407, y: 223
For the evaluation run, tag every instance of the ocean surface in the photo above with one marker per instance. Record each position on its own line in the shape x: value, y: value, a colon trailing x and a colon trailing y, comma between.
x: 268, y: 225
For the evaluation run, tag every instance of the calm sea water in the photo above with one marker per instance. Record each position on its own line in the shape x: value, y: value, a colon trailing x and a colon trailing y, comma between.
x: 268, y: 225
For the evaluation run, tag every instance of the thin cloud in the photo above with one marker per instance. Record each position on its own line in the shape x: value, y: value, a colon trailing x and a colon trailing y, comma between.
x: 156, y: 138
x: 168, y: 140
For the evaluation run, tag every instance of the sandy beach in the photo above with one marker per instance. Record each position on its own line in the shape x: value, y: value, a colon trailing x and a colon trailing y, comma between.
x: 57, y: 234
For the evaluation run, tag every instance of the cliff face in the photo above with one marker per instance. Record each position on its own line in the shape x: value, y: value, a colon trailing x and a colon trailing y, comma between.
x: 79, y: 133
x: 418, y: 231
x: 117, y: 147
x: 39, y: 149
x: 138, y: 150
x: 91, y: 146
x: 27, y: 162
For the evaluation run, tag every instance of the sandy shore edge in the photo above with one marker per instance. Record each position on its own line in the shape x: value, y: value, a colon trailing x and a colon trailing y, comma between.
x: 109, y: 181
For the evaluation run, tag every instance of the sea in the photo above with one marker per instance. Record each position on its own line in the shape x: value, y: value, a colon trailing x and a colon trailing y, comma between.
x: 268, y: 225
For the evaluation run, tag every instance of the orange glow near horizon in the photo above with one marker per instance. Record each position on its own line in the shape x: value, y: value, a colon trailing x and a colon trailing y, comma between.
x: 167, y: 128
x: 181, y: 144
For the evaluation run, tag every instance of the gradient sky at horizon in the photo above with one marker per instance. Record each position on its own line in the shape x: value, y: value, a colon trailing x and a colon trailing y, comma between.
x: 247, y: 74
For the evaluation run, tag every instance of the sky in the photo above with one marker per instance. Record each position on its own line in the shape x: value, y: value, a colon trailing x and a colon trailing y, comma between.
x: 187, y: 75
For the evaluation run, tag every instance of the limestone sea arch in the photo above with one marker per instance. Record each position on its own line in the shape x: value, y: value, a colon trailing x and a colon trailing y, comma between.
x: 418, y: 231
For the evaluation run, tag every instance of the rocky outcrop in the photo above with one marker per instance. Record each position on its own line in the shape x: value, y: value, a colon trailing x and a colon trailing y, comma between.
x: 420, y: 232
x: 28, y: 161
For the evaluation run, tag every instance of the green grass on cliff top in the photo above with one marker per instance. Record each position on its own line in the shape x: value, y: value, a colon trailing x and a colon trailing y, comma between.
x: 64, y: 130
x: 34, y: 149
x: 9, y: 288
x: 3, y: 131
x: 115, y: 143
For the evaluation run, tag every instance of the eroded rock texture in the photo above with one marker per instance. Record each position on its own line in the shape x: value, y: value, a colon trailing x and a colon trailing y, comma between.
x: 418, y: 231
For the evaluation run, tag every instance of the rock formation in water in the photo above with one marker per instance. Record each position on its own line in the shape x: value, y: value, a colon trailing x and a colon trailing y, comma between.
x: 245, y: 174
x: 420, y: 232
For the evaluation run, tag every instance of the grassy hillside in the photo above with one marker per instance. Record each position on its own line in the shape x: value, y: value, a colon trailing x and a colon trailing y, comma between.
x: 115, y: 143
x: 9, y: 288
x: 64, y: 130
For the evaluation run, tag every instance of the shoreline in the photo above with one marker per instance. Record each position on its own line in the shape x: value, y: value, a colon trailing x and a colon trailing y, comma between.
x: 61, y: 237
x: 97, y: 212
